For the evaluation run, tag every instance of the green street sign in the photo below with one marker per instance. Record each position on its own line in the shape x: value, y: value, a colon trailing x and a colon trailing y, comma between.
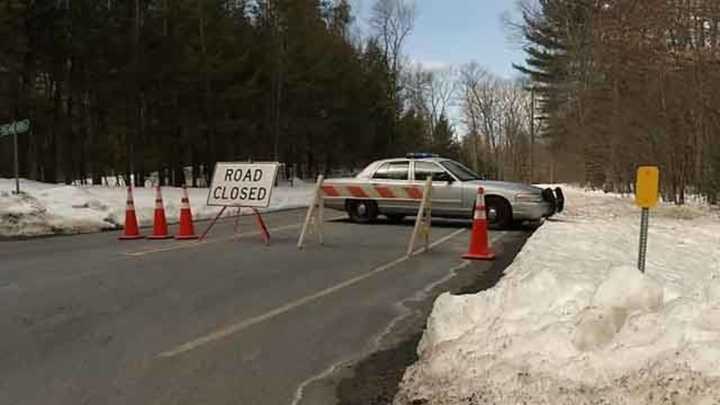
x: 17, y: 127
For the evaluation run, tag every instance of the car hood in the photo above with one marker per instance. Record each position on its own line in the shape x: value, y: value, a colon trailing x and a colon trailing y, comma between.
x: 506, y: 186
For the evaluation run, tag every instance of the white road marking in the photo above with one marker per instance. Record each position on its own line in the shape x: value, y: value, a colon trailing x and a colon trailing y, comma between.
x: 239, y: 326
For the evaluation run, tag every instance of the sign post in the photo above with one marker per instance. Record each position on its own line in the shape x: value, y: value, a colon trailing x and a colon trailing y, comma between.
x: 14, y: 129
x: 242, y: 185
x: 647, y: 190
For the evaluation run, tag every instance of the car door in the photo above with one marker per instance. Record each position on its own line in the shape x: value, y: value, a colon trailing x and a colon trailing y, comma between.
x: 447, y: 190
x: 394, y: 173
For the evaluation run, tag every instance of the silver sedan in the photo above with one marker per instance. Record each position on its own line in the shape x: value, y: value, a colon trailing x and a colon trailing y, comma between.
x: 454, y: 192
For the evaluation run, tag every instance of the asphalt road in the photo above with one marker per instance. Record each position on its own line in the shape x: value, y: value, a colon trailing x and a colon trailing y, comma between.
x: 91, y: 320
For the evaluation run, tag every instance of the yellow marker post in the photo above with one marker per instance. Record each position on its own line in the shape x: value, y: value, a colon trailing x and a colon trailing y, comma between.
x: 647, y: 192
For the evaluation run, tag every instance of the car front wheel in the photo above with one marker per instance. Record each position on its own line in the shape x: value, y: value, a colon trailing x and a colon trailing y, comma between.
x: 499, y: 213
x: 362, y: 211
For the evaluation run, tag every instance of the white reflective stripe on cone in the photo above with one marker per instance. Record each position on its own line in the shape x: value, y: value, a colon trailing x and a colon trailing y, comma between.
x: 185, y: 200
x: 158, y: 199
x: 480, y: 212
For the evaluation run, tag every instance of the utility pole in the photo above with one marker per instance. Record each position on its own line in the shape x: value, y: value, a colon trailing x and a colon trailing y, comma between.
x: 532, y: 133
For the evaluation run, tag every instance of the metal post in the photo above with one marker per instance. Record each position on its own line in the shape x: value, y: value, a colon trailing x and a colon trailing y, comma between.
x: 17, y: 158
x: 644, y: 219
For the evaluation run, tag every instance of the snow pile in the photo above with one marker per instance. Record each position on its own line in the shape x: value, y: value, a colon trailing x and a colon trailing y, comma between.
x: 45, y: 209
x: 573, y: 321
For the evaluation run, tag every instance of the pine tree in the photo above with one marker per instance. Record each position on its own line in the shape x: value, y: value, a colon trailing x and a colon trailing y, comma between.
x: 559, y: 64
x: 443, y: 139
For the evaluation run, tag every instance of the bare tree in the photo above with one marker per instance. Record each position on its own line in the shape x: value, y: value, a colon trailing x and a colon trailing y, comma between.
x: 430, y: 92
x: 482, y: 106
x: 470, y: 77
x: 393, y: 21
x: 497, y: 118
x: 515, y: 130
x: 441, y: 92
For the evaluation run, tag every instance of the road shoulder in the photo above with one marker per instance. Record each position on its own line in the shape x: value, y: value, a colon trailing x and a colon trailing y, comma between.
x: 374, y: 378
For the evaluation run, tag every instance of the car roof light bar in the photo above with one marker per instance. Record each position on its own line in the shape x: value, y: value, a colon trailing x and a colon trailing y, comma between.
x: 421, y: 155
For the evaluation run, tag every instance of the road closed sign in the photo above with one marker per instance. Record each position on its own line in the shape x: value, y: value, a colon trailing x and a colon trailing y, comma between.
x: 236, y: 184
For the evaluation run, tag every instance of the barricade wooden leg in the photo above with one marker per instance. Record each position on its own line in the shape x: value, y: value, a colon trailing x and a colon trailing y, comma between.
x: 311, y: 210
x: 320, y: 219
x: 427, y: 222
x: 420, y: 219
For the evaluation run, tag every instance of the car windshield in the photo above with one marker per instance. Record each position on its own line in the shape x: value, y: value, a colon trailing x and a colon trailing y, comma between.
x: 460, y: 171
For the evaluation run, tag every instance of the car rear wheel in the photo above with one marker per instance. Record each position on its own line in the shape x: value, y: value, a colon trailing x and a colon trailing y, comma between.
x: 362, y: 211
x: 499, y: 212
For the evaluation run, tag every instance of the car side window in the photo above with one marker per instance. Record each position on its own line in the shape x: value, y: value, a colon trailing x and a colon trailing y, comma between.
x: 423, y: 170
x: 393, y: 171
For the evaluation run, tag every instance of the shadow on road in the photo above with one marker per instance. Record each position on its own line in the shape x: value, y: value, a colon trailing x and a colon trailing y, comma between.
x: 442, y: 223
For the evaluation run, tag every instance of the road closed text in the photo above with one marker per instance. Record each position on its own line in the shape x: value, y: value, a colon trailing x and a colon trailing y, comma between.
x: 244, y: 175
x: 242, y: 184
x: 239, y: 193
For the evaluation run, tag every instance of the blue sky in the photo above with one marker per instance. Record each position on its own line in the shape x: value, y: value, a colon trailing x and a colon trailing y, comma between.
x: 453, y: 32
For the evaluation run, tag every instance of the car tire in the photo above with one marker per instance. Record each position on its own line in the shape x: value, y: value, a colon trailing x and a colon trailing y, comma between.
x: 499, y: 212
x: 395, y: 218
x: 362, y: 211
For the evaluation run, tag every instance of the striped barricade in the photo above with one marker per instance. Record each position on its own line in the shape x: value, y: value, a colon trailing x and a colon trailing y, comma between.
x: 371, y: 191
x: 329, y: 189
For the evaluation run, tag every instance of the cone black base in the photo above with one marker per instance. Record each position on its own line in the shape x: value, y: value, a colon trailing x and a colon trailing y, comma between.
x: 159, y: 237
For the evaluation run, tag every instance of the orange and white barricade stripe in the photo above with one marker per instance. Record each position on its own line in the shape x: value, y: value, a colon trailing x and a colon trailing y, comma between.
x: 329, y: 189
x: 371, y: 191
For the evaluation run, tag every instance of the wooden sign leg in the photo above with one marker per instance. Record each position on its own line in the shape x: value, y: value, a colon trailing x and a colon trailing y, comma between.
x: 263, y: 228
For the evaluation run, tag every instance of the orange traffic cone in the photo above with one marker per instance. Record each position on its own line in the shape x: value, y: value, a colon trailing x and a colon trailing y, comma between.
x: 131, y: 230
x: 187, y: 230
x: 160, y: 227
x: 479, y: 242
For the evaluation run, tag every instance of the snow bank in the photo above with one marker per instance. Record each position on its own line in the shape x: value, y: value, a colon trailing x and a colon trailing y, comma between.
x: 45, y: 209
x: 573, y: 321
